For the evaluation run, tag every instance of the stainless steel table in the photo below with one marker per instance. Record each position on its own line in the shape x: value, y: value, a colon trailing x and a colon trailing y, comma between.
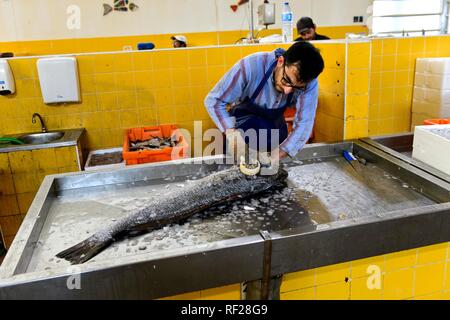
x: 329, y: 213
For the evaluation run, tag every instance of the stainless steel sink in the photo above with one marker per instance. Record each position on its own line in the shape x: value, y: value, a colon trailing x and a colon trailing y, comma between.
x: 40, y: 138
x: 43, y: 140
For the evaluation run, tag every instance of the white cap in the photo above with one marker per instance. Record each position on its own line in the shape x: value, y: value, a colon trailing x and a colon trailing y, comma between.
x: 180, y: 38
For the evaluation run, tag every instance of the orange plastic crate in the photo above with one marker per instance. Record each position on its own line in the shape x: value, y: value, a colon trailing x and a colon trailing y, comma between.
x: 289, y: 116
x: 436, y: 121
x: 146, y: 156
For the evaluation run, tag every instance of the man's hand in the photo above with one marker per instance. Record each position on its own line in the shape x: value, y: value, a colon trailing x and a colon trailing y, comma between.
x: 235, y: 144
x: 277, y: 155
x: 270, y: 164
x: 264, y: 159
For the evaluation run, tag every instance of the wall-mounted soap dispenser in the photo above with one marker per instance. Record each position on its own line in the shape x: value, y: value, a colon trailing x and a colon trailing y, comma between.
x: 7, y: 85
x: 59, y: 80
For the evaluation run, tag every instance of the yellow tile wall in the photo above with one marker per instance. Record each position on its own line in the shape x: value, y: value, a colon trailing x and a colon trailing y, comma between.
x: 329, y: 124
x: 135, y: 89
x: 340, y: 32
x: 357, y: 90
x: 392, y: 79
x: 380, y: 76
x: 230, y: 292
x: 83, y: 45
x: 421, y: 273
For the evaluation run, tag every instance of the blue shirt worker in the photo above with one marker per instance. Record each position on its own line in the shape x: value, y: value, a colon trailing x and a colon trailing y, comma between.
x: 256, y: 91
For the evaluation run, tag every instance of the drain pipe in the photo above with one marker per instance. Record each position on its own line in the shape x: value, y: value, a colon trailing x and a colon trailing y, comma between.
x: 251, y: 21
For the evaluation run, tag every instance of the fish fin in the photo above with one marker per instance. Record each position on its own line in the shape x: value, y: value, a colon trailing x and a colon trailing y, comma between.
x: 84, y: 250
x: 107, y: 9
x: 133, y: 7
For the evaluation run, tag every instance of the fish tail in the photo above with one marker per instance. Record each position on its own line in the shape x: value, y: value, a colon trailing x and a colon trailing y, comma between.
x: 107, y: 9
x: 85, y: 250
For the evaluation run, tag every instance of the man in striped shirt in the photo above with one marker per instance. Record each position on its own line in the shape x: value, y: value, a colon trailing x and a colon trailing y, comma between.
x: 259, y: 88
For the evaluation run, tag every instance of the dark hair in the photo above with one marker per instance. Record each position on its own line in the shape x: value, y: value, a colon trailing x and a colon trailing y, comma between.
x: 305, y: 23
x: 306, y: 58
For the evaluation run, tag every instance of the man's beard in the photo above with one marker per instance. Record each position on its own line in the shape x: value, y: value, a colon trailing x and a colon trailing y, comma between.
x: 274, y: 83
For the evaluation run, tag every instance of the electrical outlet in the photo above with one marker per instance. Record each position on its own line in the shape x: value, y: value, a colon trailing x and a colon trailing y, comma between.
x: 357, y: 19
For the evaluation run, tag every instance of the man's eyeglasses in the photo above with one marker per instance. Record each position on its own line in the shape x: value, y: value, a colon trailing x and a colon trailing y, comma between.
x: 288, y: 83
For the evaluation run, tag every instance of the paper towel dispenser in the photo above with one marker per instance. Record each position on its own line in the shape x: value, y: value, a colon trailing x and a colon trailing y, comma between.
x: 59, y: 79
x: 7, y: 85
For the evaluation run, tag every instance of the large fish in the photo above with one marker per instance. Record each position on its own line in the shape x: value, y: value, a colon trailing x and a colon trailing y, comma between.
x: 177, y: 206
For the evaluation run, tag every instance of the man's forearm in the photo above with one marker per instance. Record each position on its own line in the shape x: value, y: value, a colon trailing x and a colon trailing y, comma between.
x: 218, y: 113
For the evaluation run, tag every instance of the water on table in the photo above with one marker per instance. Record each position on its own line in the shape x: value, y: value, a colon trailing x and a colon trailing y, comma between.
x: 317, y: 192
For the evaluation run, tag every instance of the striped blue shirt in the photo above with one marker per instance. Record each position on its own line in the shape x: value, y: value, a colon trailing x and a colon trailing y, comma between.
x: 241, y: 82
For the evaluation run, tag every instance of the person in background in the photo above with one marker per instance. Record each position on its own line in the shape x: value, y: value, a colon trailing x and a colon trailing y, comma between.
x: 258, y: 89
x: 179, y: 41
x: 307, y: 30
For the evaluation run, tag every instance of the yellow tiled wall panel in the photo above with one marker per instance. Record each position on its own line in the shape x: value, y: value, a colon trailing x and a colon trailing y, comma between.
x: 6, y: 184
x: 8, y: 205
x: 357, y: 90
x: 302, y: 294
x: 329, y: 124
x: 421, y: 273
x: 380, y: 76
x: 185, y: 296
x: 340, y: 32
x: 7, y: 240
x: 84, y: 45
x: 333, y: 291
x: 24, y: 201
x: 136, y: 89
x: 392, y: 79
x: 230, y: 292
x: 10, y: 224
x: 21, y: 175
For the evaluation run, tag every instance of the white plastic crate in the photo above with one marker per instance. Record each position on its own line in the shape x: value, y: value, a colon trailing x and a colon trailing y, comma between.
x: 432, y: 146
x: 431, y: 95
x: 433, y: 81
x: 433, y: 65
x: 434, y: 110
x: 90, y: 167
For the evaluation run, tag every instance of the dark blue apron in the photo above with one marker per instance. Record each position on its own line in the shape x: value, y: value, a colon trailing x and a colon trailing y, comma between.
x: 249, y: 115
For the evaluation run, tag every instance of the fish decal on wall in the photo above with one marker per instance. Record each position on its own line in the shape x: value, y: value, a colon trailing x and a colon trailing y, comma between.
x: 120, y: 5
